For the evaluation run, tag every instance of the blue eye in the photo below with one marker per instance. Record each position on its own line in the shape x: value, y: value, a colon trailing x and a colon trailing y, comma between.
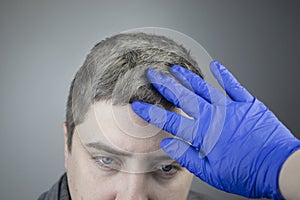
x: 106, y: 163
x: 106, y: 160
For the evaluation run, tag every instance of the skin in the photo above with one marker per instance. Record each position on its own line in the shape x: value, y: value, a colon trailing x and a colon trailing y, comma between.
x: 138, y: 170
x: 289, y: 178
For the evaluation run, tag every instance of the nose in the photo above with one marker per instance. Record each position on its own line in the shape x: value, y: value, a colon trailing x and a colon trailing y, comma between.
x: 133, y: 187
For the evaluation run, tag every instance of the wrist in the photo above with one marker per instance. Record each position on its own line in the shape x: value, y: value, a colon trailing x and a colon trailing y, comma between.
x: 289, y: 177
x: 271, y: 167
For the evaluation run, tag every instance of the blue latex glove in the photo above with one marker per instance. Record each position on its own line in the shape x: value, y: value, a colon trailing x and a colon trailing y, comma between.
x: 234, y: 143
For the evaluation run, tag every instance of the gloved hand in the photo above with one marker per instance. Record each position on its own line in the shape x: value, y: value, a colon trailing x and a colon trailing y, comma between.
x: 234, y: 143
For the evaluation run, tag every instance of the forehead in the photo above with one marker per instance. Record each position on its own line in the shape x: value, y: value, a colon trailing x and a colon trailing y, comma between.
x: 119, y: 127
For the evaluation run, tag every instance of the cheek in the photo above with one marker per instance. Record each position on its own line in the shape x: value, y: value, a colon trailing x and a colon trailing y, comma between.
x: 86, y: 180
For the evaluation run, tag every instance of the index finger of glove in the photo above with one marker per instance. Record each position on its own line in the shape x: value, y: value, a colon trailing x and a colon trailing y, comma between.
x: 176, y: 93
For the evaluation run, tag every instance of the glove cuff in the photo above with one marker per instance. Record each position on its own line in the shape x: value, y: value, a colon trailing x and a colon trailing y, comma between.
x: 269, y: 175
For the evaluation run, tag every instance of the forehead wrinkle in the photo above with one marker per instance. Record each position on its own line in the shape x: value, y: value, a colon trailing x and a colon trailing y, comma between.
x: 100, y: 146
x: 151, y: 156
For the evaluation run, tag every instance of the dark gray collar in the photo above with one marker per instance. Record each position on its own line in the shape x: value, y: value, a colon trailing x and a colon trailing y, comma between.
x: 60, y: 191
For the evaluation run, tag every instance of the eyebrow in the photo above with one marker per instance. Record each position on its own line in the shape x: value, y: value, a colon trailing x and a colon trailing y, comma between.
x: 100, y: 146
x: 103, y: 147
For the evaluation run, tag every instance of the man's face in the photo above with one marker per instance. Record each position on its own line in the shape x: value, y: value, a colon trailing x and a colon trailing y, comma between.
x: 116, y: 155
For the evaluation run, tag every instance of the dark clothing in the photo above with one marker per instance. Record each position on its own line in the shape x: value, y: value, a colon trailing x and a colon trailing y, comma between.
x: 60, y: 191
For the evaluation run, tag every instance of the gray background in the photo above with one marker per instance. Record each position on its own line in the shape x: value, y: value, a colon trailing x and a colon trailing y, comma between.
x: 44, y: 42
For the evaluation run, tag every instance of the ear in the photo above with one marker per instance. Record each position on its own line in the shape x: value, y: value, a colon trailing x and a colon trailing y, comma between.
x: 66, y: 150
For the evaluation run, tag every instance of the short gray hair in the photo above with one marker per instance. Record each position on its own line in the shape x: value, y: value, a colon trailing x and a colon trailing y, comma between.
x: 115, y: 70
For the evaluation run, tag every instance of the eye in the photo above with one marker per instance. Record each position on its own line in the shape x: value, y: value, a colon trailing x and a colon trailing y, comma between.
x: 106, y: 163
x: 166, y: 168
x: 106, y: 160
x: 167, y: 171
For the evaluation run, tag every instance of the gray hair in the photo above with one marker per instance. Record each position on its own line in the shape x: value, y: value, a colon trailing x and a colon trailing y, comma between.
x: 115, y: 70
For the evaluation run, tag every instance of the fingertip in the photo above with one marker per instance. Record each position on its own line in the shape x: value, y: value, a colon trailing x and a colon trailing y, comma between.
x: 134, y: 104
x: 155, y: 76
x: 180, y: 69
x: 138, y: 107
x: 213, y: 64
x: 229, y: 83
x: 215, y: 67
x: 177, y: 71
x: 165, y: 142
x: 216, y: 63
x: 176, y: 67
x: 150, y: 72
